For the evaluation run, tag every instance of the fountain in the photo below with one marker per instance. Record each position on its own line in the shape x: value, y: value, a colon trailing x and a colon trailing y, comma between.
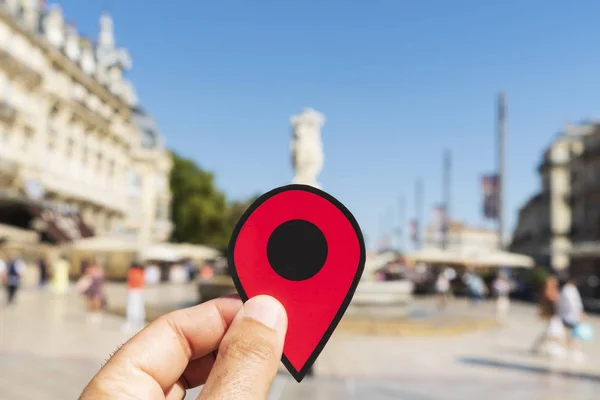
x: 372, y: 299
x: 380, y: 300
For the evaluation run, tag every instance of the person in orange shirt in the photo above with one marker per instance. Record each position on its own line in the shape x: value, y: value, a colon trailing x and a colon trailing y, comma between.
x: 136, y: 312
x: 207, y: 272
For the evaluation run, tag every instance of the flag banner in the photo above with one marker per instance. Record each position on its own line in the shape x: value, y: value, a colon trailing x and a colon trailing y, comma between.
x: 439, y: 224
x: 489, y: 185
x: 414, y: 231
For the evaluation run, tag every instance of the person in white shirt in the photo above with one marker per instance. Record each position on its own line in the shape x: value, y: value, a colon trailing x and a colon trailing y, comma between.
x: 502, y: 288
x: 2, y: 269
x: 570, y: 310
x: 442, y: 286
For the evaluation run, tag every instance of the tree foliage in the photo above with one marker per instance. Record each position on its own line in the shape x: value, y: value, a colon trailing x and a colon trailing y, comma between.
x: 235, y: 210
x: 198, y: 208
x: 200, y: 211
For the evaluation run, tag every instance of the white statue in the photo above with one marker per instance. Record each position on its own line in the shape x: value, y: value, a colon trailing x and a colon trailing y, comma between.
x: 72, y: 47
x: 306, y: 147
x: 54, y: 26
x: 107, y: 53
x: 106, y: 37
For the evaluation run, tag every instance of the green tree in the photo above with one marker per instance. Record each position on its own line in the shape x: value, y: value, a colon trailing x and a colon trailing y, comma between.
x: 235, y: 210
x: 199, y: 210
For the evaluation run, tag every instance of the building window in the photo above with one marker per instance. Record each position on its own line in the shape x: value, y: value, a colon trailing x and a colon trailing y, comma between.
x: 99, y: 159
x: 135, y: 183
x: 51, y: 138
x: 161, y: 213
x: 149, y: 140
x: 70, y: 146
x: 6, y: 90
x: 111, y: 168
x: 27, y: 134
x: 54, y: 111
x: 160, y: 182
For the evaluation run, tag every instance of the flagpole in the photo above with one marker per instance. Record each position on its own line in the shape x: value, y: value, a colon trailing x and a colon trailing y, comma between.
x: 418, y: 213
x: 500, y: 190
x: 446, y: 210
x: 401, y: 223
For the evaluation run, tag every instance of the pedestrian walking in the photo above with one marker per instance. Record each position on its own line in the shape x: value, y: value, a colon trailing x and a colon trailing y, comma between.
x: 502, y: 288
x: 43, y: 272
x: 60, y: 275
x: 2, y: 269
x: 91, y: 285
x: 191, y: 270
x: 15, y: 267
x: 442, y: 287
x: 570, y: 309
x: 476, y: 287
x: 136, y: 312
x: 548, y: 311
x: 151, y: 274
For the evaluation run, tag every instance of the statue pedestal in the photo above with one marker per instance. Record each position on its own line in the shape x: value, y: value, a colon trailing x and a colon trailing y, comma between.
x: 382, y: 300
x: 372, y: 299
x: 209, y: 289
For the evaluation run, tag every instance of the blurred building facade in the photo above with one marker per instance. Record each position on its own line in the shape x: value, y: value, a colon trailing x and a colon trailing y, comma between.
x: 74, y: 143
x: 559, y: 225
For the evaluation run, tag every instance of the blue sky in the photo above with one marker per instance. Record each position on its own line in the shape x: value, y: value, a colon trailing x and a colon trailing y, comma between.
x: 398, y: 81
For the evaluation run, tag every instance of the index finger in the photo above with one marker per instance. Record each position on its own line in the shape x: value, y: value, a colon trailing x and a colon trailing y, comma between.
x: 164, y: 348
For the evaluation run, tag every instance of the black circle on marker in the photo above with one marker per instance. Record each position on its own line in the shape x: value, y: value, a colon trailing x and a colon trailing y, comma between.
x: 297, y: 250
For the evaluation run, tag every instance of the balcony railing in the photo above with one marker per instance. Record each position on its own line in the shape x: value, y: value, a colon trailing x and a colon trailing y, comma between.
x: 547, y: 163
x: 81, y: 110
x: 8, y: 167
x: 8, y: 114
x: 17, y: 69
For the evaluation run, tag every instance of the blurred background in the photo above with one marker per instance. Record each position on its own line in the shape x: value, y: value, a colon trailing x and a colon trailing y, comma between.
x: 463, y: 136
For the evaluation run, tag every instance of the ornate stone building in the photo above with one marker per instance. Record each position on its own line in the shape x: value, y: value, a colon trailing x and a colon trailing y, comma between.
x: 73, y: 139
x: 552, y: 223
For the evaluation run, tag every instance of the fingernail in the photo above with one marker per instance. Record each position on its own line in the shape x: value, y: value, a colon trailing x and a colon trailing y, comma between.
x: 264, y: 309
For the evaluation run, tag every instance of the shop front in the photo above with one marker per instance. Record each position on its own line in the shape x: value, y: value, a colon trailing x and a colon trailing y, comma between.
x: 37, y: 226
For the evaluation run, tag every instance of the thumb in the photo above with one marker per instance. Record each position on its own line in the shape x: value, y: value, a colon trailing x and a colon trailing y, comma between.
x: 250, y: 352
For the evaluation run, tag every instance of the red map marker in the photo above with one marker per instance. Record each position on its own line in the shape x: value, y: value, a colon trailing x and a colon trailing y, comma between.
x: 303, y: 247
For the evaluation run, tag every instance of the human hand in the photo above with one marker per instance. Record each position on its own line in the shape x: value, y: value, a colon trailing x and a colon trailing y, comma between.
x: 233, y: 349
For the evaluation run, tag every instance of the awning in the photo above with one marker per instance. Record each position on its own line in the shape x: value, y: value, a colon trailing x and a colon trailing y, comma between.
x: 106, y: 244
x: 195, y: 251
x: 159, y: 252
x: 498, y: 258
x: 483, y: 258
x: 172, y: 252
x: 436, y: 256
x: 165, y: 252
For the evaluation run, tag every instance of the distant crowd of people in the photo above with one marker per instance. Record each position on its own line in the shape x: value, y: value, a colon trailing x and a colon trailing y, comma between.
x: 12, y: 270
x: 91, y: 286
x: 559, y: 304
x: 561, y: 307
x: 91, y: 283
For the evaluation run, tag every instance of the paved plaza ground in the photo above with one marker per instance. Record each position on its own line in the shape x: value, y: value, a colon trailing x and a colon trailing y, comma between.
x: 47, y: 351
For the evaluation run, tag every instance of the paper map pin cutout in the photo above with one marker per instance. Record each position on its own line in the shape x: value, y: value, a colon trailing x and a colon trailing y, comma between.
x: 304, y: 248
